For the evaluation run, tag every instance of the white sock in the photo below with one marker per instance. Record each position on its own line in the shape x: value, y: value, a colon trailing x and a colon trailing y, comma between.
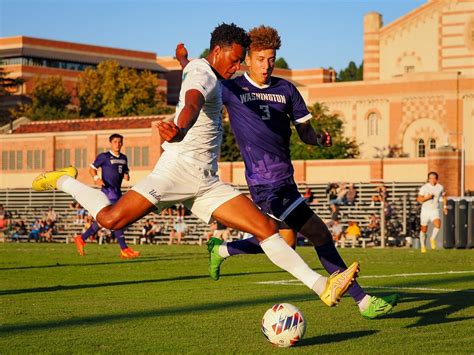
x: 283, y: 256
x: 435, y: 233
x: 93, y: 200
x: 364, y: 303
x: 222, y: 251
x: 423, y: 239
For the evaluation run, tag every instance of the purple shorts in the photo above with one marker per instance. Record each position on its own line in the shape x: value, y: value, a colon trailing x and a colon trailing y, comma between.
x: 277, y: 199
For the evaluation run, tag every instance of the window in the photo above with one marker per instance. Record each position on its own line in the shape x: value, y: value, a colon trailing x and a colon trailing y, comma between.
x: 137, y: 156
x: 29, y: 159
x: 4, y: 160
x: 145, y: 156
x: 80, y: 157
x: 421, y: 148
x: 19, y: 160
x: 432, y: 143
x: 12, y: 160
x: 62, y: 158
x: 35, y: 159
x: 372, y: 124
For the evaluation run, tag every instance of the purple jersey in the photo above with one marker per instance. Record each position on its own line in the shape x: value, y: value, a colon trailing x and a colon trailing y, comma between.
x: 260, y: 117
x: 113, y: 170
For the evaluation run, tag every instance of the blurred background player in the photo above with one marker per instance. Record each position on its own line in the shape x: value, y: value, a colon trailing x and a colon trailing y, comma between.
x: 429, y: 196
x: 261, y: 109
x: 114, y: 169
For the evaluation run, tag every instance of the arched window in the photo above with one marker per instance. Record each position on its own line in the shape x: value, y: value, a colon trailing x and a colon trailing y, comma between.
x: 432, y: 143
x: 421, y: 148
x: 372, y: 124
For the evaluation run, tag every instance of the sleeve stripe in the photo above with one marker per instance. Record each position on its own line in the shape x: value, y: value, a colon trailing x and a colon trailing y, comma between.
x: 303, y: 119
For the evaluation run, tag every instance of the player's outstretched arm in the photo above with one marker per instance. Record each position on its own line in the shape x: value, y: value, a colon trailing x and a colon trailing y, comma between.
x: 181, y: 54
x: 172, y: 132
x: 309, y: 136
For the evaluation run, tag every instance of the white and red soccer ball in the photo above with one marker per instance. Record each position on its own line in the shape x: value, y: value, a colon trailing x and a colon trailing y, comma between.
x: 283, y: 325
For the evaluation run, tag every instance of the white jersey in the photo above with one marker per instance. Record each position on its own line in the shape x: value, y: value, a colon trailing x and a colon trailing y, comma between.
x: 201, y: 145
x: 437, y: 192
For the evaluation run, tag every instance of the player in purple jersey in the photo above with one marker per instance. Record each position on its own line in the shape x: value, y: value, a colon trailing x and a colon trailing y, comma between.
x: 261, y: 109
x: 114, y: 168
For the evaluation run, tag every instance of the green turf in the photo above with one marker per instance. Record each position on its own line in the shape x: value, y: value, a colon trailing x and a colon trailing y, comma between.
x: 53, y: 301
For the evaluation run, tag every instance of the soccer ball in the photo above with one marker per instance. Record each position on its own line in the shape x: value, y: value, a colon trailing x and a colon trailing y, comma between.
x: 283, y: 325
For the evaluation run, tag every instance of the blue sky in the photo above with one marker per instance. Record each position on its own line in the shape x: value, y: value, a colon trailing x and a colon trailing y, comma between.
x: 314, y: 33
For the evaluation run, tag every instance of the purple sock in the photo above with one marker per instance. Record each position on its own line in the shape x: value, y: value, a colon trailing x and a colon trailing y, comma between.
x: 244, y: 246
x: 332, y: 261
x: 118, y: 234
x: 93, y: 229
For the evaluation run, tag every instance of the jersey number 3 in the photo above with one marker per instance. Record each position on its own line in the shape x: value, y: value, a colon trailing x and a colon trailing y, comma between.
x: 266, y: 112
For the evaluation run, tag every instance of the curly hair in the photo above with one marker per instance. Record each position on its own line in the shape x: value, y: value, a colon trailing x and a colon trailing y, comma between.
x: 264, y: 37
x: 225, y: 35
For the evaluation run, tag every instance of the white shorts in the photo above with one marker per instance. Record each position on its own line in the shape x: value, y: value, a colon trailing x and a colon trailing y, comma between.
x: 428, y: 215
x: 173, y: 181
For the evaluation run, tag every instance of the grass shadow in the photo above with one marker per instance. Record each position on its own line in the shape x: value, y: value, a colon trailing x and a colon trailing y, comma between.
x: 437, y: 309
x: 335, y: 338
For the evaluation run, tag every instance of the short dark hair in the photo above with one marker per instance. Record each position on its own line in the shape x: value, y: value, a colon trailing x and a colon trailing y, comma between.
x: 433, y: 173
x: 115, y: 135
x: 225, y: 35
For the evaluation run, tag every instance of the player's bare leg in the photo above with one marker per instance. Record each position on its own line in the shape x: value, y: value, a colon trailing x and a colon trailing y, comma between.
x: 434, y: 233
x: 240, y: 213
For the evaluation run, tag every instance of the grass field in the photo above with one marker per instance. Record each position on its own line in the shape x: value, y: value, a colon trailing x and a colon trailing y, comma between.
x: 52, y: 301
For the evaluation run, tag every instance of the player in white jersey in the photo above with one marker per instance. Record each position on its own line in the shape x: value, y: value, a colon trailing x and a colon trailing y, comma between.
x: 187, y: 170
x: 429, y: 196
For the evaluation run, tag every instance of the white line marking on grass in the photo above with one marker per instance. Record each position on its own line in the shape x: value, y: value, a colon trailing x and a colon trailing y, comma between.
x: 297, y: 282
x: 419, y: 289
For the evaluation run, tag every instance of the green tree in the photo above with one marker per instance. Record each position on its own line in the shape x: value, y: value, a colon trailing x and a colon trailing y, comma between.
x: 351, y: 73
x: 342, y: 148
x: 229, y: 148
x: 204, y: 53
x: 49, y: 101
x: 7, y: 87
x: 111, y: 91
x: 281, y: 63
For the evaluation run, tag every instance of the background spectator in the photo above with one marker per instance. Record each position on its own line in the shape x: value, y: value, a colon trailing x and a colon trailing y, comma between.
x: 351, y: 195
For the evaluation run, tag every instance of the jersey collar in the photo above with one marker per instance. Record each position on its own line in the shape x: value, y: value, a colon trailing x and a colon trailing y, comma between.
x: 117, y: 156
x: 264, y: 86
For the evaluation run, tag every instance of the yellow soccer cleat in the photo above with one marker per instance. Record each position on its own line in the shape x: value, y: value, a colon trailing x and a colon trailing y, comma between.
x: 338, y: 284
x: 47, y: 181
x: 433, y: 244
x: 423, y: 249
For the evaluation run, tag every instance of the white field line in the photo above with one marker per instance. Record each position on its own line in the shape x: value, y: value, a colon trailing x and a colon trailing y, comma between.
x: 297, y: 282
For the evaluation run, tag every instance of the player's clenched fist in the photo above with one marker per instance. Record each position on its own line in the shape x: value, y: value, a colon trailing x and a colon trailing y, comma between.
x: 181, y: 52
x: 169, y: 131
x: 324, y: 139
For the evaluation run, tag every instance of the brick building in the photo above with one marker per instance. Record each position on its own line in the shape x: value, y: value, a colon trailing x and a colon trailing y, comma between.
x: 416, y: 99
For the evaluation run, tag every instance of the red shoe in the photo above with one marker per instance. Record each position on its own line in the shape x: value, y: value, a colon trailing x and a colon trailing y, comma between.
x: 80, y: 244
x: 129, y: 253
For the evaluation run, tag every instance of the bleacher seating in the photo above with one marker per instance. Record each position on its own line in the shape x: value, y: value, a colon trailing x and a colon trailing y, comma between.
x: 27, y: 205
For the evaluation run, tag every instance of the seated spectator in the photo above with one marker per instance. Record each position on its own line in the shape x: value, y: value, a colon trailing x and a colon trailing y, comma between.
x: 336, y: 231
x: 179, y: 229
x: 150, y: 230
x: 334, y: 209
x: 48, y: 231
x: 331, y: 192
x: 351, y: 195
x: 308, y: 196
x: 381, y: 195
x: 4, y: 214
x: 221, y: 232
x: 51, y: 215
x: 36, y: 230
x: 212, y: 229
x: 4, y: 229
x: 341, y: 195
x: 19, y: 229
x: 352, y: 233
